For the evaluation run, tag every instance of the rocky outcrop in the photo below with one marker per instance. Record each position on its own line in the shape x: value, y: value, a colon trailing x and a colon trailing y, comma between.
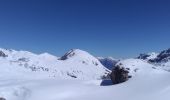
x: 143, y: 56
x: 119, y: 74
x: 2, y: 54
x: 164, y: 56
x: 68, y: 55
x: 2, y: 98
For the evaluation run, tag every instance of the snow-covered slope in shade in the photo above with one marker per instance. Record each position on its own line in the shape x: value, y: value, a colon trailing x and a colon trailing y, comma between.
x: 24, y: 64
x: 108, y: 62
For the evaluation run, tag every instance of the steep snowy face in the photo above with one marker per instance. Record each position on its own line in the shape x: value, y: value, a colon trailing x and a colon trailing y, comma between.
x: 148, y: 56
x: 108, y: 62
x: 164, y: 56
x: 23, y: 64
x: 161, y: 59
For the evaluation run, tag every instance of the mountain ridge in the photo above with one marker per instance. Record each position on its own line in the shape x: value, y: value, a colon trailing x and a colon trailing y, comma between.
x: 81, y: 65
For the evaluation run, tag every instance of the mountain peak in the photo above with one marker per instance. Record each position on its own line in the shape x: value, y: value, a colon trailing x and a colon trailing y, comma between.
x: 162, y: 57
x: 75, y: 52
x: 79, y: 64
x: 148, y: 56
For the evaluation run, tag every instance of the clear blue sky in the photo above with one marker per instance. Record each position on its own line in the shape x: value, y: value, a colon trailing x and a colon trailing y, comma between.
x: 118, y: 28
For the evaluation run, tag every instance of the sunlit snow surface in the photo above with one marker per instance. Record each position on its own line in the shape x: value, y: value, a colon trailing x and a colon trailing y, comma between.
x: 80, y: 65
x: 152, y: 87
x: 18, y: 82
x: 146, y: 84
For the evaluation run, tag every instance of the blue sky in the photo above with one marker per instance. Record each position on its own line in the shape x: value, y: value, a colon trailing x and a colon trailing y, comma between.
x: 118, y: 28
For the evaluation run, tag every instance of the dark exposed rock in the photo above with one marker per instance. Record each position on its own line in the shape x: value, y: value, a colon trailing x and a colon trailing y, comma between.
x: 164, y: 56
x: 119, y: 75
x: 2, y: 54
x: 105, y: 77
x: 71, y: 75
x: 143, y: 56
x: 23, y: 59
x: 1, y: 98
x: 67, y: 55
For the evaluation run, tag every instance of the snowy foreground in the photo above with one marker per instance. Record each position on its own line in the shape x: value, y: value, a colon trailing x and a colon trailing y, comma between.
x: 78, y: 76
x: 147, y: 83
x: 152, y: 87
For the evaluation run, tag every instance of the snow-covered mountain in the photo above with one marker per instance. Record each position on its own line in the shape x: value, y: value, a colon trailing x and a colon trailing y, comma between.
x: 148, y: 56
x: 108, y: 62
x: 138, y: 66
x: 28, y: 76
x: 74, y: 64
x: 161, y: 59
x: 147, y: 83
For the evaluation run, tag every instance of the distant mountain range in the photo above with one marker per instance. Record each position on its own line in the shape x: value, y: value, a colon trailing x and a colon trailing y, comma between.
x: 75, y: 64
x: 79, y: 75
x: 161, y: 59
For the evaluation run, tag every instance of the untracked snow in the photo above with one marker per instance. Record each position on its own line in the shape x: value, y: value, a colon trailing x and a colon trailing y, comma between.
x: 24, y: 64
x: 146, y: 84
x: 76, y: 76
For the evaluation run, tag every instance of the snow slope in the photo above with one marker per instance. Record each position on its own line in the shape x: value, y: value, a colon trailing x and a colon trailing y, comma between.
x: 24, y: 64
x: 138, y: 66
x: 28, y: 76
x: 147, y: 83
